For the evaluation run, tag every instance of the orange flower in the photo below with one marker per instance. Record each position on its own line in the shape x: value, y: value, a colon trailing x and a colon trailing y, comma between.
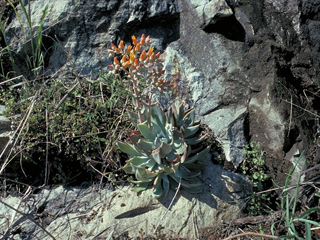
x: 110, y: 66
x: 110, y: 51
x: 158, y: 54
x: 134, y: 40
x: 136, y: 62
x: 128, y: 49
x: 142, y: 40
x: 121, y: 45
x: 126, y: 64
x: 162, y: 72
x: 142, y: 55
x: 138, y: 47
x: 132, y: 57
x: 152, y: 56
x: 124, y: 59
x: 150, y: 51
x: 160, y: 82
x: 118, y: 50
x: 115, y: 61
x: 148, y: 39
x: 113, y: 46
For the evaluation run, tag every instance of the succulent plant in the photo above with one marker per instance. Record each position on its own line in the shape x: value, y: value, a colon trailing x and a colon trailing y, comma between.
x: 161, y: 150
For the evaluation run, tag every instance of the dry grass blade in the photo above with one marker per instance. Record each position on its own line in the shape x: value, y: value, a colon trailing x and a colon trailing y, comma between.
x: 302, y: 108
x: 251, y: 234
x: 22, y: 124
x: 65, y: 96
x: 12, y: 79
x: 27, y: 193
x: 46, y: 175
x: 26, y: 216
x: 174, y: 197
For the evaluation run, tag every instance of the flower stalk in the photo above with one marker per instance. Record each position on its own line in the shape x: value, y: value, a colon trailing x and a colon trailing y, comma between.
x: 138, y: 61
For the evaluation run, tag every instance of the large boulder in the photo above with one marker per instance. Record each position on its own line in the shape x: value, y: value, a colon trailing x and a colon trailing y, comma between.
x: 89, y: 212
x: 238, y: 63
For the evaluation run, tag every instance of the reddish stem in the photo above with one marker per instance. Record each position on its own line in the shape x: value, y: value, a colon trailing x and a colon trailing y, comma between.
x: 149, y: 109
x: 136, y: 94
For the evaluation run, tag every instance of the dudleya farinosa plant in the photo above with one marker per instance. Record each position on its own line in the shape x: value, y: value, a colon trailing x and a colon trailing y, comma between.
x: 161, y: 149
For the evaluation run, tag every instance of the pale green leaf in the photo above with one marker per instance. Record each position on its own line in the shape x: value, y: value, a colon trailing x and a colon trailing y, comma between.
x: 156, y: 155
x: 157, y: 188
x: 129, y: 169
x: 190, y: 131
x: 145, y: 144
x: 141, y: 187
x: 166, y: 183
x: 199, y: 156
x: 128, y: 148
x: 165, y: 149
x: 145, y: 131
x: 142, y: 161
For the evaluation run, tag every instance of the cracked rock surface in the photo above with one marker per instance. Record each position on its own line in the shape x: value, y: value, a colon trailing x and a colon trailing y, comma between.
x: 89, y: 212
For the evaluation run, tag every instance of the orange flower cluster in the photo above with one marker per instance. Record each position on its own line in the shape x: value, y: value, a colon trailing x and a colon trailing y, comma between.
x: 139, y: 61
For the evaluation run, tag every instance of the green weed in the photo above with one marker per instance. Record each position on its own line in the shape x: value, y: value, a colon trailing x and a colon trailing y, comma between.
x: 254, y: 165
x: 35, y: 60
x: 289, y: 207
x: 72, y: 127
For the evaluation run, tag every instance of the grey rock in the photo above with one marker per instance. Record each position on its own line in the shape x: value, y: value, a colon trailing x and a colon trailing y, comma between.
x: 82, y: 31
x: 232, y: 61
x: 269, y: 119
x: 210, y: 12
x: 91, y: 212
x: 227, y: 125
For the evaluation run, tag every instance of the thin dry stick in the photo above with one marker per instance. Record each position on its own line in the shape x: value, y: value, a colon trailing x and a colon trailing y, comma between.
x: 10, y: 223
x: 174, y: 197
x: 102, y: 97
x: 110, y: 148
x: 290, y: 116
x: 26, y: 216
x: 11, y: 139
x: 286, y: 189
x: 11, y: 79
x: 302, y: 108
x: 46, y: 177
x: 110, y: 234
x: 20, y: 128
x: 251, y: 234
x: 65, y: 96
x: 26, y: 194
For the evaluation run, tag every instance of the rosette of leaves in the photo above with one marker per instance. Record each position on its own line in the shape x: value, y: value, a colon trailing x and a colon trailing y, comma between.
x: 162, y: 150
